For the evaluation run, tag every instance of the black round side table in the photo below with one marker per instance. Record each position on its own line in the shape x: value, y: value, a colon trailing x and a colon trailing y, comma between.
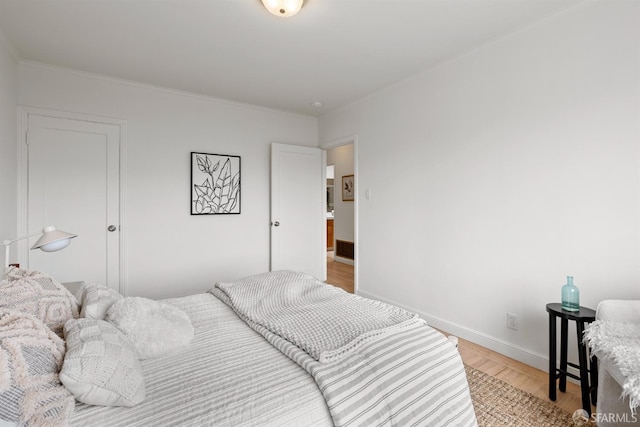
x: 581, y: 317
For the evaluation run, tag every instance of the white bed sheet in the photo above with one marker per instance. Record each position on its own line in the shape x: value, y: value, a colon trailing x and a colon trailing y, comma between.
x: 228, y: 376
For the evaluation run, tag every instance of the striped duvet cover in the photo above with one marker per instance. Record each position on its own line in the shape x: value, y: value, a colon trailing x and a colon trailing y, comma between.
x: 231, y: 376
x: 394, y: 370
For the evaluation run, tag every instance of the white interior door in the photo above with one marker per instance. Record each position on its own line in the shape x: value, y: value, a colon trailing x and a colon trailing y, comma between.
x: 298, y: 226
x: 73, y: 184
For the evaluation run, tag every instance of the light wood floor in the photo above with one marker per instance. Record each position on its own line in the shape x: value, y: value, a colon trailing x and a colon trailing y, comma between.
x: 517, y: 374
x: 339, y: 274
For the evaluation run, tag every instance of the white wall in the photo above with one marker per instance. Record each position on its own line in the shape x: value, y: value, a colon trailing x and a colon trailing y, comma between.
x: 502, y: 171
x: 8, y: 147
x: 342, y: 158
x: 168, y: 252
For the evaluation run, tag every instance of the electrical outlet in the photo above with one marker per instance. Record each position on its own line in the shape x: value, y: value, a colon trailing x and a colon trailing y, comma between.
x: 512, y: 321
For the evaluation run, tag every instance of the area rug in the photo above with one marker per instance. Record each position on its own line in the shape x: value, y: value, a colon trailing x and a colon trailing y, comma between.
x: 498, y: 404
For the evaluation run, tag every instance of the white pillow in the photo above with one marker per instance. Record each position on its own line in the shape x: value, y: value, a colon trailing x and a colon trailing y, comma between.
x: 153, y: 327
x: 30, y: 359
x: 101, y: 366
x: 38, y: 294
x: 96, y: 300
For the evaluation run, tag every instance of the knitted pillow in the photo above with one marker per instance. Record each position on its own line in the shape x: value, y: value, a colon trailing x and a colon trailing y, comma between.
x: 101, y: 366
x: 40, y: 295
x: 30, y: 359
x: 96, y: 301
x: 153, y: 327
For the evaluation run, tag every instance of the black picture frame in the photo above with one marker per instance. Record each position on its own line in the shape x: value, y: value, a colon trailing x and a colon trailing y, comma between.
x: 215, y: 184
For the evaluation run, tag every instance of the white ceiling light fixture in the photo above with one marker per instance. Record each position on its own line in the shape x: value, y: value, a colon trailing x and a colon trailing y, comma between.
x: 283, y: 8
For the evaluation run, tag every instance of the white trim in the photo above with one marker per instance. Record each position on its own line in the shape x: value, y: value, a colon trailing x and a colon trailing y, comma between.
x: 346, y: 140
x: 123, y: 187
x: 23, y: 175
x: 344, y: 260
x: 323, y: 153
x: 351, y: 139
x: 521, y: 354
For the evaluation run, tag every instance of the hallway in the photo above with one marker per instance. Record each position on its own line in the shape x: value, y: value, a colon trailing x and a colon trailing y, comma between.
x: 339, y: 274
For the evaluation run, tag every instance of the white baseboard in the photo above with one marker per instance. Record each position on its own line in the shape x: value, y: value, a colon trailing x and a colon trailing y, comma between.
x: 343, y: 260
x: 513, y: 351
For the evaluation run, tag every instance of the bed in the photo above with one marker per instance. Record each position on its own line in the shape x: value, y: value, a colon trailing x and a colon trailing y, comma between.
x: 236, y: 371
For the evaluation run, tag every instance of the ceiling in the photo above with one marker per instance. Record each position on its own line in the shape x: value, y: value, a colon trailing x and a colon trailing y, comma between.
x: 333, y: 51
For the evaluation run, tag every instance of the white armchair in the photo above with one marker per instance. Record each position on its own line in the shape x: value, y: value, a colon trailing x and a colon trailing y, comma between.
x: 611, y: 409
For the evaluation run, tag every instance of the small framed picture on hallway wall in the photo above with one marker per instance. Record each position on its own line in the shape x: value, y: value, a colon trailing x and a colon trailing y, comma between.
x: 347, y: 188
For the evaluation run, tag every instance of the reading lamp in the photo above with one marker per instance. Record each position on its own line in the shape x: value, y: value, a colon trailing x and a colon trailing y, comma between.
x: 51, y: 240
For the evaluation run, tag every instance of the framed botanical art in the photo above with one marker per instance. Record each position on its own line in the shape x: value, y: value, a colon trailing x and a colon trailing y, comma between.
x: 215, y: 184
x: 347, y: 188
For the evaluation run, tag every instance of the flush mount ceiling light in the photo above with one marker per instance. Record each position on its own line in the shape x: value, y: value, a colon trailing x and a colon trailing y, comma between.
x: 283, y: 8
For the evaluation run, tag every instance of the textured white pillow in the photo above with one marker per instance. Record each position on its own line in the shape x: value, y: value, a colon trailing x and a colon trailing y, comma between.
x: 101, y: 366
x: 96, y: 300
x: 30, y: 359
x: 153, y: 327
x: 39, y: 295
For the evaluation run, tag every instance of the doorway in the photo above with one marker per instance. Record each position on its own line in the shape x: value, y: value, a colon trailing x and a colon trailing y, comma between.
x: 341, y: 214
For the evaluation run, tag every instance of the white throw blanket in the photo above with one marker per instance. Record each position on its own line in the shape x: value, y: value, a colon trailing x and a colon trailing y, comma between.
x: 619, y: 342
x: 375, y: 364
x: 303, y: 311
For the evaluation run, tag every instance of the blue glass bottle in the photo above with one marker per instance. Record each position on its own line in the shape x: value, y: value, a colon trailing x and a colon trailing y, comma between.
x: 570, y: 296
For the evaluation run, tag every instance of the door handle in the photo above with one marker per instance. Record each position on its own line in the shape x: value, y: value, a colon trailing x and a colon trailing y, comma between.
x: 276, y: 224
x: 112, y: 228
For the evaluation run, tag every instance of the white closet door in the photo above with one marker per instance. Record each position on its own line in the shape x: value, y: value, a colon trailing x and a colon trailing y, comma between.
x: 73, y: 184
